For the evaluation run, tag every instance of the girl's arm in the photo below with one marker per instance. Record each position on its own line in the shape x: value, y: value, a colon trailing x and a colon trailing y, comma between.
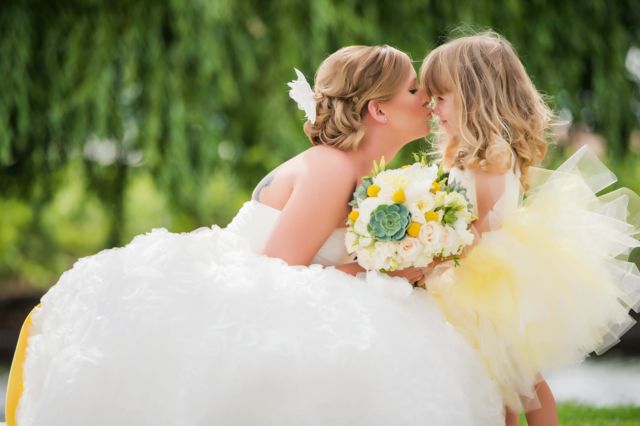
x: 413, y: 275
x: 489, y: 189
x: 351, y: 268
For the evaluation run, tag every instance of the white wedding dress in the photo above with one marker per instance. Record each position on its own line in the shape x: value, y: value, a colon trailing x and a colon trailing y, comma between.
x: 199, y: 329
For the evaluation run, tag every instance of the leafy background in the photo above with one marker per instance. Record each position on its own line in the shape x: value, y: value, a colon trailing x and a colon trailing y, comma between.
x: 117, y: 117
x: 120, y: 116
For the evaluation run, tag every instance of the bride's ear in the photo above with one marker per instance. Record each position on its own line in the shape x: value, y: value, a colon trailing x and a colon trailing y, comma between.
x: 375, y: 111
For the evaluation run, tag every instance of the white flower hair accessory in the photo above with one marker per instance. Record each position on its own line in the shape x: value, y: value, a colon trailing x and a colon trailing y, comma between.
x: 304, y: 96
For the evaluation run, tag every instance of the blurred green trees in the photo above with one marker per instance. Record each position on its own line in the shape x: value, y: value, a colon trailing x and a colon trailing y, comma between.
x: 118, y: 116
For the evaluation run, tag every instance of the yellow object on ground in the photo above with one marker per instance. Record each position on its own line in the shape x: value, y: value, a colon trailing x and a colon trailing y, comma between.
x: 15, y: 383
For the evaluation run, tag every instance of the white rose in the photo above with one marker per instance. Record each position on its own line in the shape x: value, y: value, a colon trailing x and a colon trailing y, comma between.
x: 449, y: 241
x: 430, y: 237
x: 409, y: 249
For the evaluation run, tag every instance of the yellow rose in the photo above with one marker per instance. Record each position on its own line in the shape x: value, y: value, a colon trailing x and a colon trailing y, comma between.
x: 398, y: 196
x: 353, y: 216
x: 372, y: 190
x: 414, y: 229
x: 431, y: 216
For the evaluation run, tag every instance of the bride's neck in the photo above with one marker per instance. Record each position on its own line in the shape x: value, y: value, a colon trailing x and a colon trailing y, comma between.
x: 377, y: 143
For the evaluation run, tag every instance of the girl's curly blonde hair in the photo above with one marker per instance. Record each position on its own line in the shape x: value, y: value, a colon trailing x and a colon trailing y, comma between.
x: 499, y: 110
x: 345, y: 83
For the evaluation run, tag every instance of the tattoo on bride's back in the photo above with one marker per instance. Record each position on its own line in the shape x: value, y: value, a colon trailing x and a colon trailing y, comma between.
x: 265, y: 182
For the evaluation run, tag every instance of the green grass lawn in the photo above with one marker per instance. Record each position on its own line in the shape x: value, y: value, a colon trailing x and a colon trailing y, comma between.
x: 580, y: 415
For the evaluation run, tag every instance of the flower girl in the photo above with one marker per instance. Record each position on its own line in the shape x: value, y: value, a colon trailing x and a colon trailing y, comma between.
x: 548, y: 282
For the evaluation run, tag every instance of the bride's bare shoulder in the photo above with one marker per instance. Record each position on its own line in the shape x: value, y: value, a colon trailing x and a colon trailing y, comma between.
x: 326, y: 160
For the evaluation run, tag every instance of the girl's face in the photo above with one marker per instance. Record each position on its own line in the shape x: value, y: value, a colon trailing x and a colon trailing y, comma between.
x: 446, y: 113
x: 408, y: 110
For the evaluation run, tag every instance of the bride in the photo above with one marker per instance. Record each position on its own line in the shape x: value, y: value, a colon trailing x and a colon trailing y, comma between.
x: 265, y: 321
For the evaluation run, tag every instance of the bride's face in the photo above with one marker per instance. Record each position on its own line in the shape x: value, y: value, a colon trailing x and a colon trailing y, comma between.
x: 407, y: 112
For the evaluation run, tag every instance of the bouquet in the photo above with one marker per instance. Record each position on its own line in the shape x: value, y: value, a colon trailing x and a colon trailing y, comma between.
x: 407, y: 217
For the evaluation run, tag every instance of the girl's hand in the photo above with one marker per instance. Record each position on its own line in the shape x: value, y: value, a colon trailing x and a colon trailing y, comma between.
x: 414, y: 275
x: 351, y: 268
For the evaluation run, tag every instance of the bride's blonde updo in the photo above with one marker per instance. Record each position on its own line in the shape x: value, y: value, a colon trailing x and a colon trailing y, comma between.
x: 499, y: 110
x: 344, y: 84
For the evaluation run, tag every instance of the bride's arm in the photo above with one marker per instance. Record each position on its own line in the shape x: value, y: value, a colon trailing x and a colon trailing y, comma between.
x: 317, y: 204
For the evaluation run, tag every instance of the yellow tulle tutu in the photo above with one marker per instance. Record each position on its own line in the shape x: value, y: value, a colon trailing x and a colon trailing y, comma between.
x: 551, y: 284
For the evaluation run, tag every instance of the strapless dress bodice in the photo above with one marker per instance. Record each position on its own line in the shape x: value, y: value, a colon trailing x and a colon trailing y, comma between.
x: 255, y: 221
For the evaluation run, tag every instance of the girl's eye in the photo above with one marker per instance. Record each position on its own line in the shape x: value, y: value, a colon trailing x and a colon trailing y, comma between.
x: 413, y: 91
x: 440, y: 98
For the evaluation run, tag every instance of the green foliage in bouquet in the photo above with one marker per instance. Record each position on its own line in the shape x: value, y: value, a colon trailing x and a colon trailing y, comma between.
x: 361, y: 191
x: 379, y: 167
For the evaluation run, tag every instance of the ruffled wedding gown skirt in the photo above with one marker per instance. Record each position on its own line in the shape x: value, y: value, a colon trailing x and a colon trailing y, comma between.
x: 198, y: 329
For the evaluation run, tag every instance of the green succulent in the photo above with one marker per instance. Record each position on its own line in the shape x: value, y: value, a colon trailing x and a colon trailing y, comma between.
x: 389, y: 222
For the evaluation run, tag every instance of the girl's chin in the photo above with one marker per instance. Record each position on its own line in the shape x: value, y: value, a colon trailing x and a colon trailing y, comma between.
x: 447, y: 132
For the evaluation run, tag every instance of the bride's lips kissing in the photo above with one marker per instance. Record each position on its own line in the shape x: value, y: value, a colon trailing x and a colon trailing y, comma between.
x: 429, y: 111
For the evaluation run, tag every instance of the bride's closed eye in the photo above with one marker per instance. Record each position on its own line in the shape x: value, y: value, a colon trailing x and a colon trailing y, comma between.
x: 413, y: 91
